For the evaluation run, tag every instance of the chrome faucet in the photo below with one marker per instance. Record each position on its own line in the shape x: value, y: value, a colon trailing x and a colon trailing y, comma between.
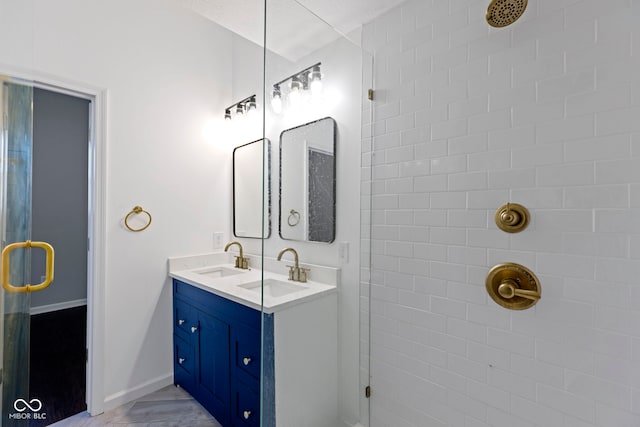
x: 296, y: 273
x: 241, y: 261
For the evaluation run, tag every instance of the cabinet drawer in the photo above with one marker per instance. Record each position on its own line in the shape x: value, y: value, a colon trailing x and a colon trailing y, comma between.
x: 184, y: 363
x: 245, y: 344
x: 246, y: 404
x: 216, y: 305
x: 184, y: 317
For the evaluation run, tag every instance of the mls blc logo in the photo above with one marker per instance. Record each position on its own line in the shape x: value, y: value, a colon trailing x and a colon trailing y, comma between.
x: 34, y: 406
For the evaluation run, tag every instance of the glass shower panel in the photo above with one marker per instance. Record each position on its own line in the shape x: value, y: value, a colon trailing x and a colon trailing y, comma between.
x: 15, y: 194
x: 248, y: 153
x: 366, y: 206
x: 314, y: 357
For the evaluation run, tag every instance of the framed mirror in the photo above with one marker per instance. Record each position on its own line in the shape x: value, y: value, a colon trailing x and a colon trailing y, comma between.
x: 308, y: 182
x: 252, y: 185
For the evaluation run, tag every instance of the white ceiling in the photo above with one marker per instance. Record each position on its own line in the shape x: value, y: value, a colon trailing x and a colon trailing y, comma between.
x: 294, y: 27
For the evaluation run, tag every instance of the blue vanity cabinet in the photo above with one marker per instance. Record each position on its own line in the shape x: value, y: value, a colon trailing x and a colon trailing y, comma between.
x: 212, y: 375
x: 217, y: 354
x: 183, y: 343
x: 245, y: 381
x: 185, y: 363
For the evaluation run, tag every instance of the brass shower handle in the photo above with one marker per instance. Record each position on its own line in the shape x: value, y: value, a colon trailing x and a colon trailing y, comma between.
x: 508, y: 288
x: 513, y: 286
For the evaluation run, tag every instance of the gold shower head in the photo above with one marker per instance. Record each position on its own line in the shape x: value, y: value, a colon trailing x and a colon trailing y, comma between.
x: 505, y: 12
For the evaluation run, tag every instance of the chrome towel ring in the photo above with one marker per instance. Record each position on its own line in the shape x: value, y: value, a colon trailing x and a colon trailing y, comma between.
x: 135, y: 211
x: 294, y: 218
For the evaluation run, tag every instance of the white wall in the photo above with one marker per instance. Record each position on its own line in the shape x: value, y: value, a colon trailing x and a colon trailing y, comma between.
x: 59, y: 192
x: 544, y: 113
x: 167, y: 74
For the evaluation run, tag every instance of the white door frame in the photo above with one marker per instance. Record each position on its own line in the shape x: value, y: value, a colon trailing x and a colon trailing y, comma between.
x: 96, y: 255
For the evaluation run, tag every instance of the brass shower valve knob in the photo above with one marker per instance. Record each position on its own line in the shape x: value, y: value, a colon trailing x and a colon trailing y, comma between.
x: 508, y: 289
x: 512, y: 218
x: 513, y: 286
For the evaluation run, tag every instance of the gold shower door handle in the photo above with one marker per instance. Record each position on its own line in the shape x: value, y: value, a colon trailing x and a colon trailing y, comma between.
x: 6, y: 266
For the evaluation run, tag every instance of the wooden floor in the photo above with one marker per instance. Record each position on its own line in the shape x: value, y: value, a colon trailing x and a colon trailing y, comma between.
x: 57, y: 368
x: 169, y: 407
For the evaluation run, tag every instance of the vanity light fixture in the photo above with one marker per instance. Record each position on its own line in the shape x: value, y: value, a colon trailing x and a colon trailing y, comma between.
x: 294, y: 95
x: 252, y: 104
x: 251, y: 107
x: 248, y: 104
x: 309, y: 79
x: 276, y: 99
x: 316, y: 81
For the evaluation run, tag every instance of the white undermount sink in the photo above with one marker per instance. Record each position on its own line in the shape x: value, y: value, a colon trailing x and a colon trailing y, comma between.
x: 273, y: 287
x: 219, y: 271
x: 216, y: 273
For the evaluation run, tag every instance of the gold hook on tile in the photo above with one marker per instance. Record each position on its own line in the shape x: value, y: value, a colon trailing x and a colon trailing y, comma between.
x: 135, y: 211
x: 512, y: 218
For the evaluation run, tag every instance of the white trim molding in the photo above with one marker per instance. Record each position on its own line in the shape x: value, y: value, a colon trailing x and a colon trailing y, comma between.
x: 58, y: 306
x: 125, y: 396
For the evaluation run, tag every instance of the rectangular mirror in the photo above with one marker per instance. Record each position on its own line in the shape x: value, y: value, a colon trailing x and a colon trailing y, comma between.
x: 249, y: 162
x: 307, y: 182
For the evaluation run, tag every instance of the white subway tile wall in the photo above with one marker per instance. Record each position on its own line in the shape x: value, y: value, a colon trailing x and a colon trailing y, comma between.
x: 546, y: 113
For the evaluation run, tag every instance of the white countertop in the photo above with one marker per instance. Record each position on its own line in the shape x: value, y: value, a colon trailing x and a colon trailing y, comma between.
x: 189, y: 269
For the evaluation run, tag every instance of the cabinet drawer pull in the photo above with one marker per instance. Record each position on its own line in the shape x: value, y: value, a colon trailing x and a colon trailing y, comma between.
x: 246, y: 414
x: 246, y: 361
x: 181, y: 360
x: 194, y: 329
x: 181, y: 322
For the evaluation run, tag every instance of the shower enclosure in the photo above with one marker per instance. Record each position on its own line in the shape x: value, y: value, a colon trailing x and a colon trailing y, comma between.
x: 16, y: 146
x: 313, y: 88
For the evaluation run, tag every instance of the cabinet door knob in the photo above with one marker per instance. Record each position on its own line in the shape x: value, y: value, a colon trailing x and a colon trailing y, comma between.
x: 194, y: 329
x: 246, y: 361
x: 246, y: 414
x: 181, y: 321
x: 181, y: 360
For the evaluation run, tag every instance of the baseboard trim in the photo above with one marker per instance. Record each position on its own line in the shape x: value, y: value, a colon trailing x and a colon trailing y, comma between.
x: 345, y: 423
x: 58, y: 306
x: 125, y: 396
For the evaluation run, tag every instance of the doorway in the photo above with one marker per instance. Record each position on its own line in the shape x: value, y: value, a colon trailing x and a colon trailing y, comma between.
x: 45, y: 204
x: 59, y: 216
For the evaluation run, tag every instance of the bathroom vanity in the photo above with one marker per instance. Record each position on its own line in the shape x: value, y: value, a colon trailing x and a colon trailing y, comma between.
x: 219, y: 325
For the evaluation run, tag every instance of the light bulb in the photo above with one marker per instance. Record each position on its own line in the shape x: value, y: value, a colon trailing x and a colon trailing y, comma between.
x: 227, y: 114
x: 276, y: 105
x: 251, y: 109
x: 316, y: 81
x: 316, y: 88
x: 294, y: 97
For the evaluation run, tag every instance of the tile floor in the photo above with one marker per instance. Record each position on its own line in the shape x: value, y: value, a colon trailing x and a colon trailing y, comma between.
x: 168, y: 407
